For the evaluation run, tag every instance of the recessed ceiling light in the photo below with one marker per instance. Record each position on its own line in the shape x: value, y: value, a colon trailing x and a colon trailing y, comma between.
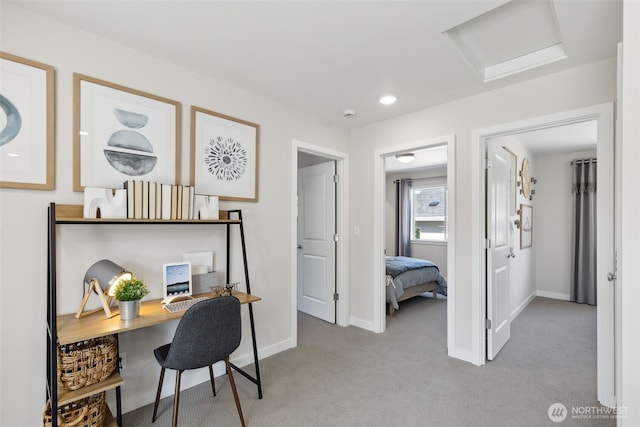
x: 388, y: 99
x: 405, y: 157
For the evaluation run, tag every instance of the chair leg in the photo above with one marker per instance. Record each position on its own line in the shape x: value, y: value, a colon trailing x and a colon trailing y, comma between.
x: 155, y: 406
x: 176, y: 399
x: 235, y: 391
x: 213, y: 381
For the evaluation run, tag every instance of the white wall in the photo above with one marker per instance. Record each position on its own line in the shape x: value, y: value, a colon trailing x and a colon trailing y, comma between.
x: 629, y: 267
x: 23, y: 227
x: 579, y: 87
x: 553, y: 223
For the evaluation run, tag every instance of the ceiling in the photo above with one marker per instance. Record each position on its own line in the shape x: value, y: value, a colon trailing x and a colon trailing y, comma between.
x: 568, y: 138
x: 324, y: 57
x: 559, y: 139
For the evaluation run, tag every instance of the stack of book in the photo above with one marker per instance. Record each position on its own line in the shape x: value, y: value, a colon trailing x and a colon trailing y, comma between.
x: 153, y: 200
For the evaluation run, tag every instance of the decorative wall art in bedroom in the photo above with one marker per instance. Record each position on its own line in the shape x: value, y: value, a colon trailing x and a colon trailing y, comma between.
x: 526, y: 226
x: 224, y: 156
x: 527, y: 181
x: 122, y: 133
x: 27, y: 130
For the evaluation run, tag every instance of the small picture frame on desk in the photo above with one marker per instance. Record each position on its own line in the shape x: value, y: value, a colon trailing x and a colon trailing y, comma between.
x: 176, y: 281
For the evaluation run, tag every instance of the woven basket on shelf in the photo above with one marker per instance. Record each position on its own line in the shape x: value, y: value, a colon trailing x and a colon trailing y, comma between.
x: 86, y: 362
x: 87, y: 412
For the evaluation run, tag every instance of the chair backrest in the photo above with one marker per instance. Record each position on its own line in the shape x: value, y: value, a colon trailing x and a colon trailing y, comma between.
x: 208, y: 332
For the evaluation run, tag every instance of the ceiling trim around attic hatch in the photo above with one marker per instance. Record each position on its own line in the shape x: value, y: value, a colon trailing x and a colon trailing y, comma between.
x: 486, y: 42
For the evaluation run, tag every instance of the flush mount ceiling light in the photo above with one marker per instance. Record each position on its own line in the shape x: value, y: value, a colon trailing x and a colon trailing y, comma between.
x: 405, y: 157
x: 388, y: 99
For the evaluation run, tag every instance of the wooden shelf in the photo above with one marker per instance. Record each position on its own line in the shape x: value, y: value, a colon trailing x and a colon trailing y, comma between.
x: 72, y: 214
x: 71, y: 330
x: 67, y: 396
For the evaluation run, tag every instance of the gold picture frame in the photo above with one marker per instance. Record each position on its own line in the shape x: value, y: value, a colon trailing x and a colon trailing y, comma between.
x: 120, y: 133
x: 224, y: 156
x: 27, y: 140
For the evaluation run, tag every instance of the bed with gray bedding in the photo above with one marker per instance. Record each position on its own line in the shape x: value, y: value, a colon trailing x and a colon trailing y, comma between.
x: 408, y: 277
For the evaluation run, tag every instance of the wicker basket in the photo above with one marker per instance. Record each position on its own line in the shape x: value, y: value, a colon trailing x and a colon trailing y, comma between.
x: 86, y: 362
x: 87, y: 412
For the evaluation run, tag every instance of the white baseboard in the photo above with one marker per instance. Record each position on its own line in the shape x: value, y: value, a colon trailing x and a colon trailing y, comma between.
x: 554, y: 295
x: 522, y: 306
x: 465, y: 356
x: 364, y: 324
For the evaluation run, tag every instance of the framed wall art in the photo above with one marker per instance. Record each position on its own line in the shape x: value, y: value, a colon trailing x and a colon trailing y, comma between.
x: 27, y: 129
x: 224, y: 156
x: 526, y: 226
x: 121, y: 134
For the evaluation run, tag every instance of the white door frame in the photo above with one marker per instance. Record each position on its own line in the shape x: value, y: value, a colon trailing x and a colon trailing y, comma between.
x: 478, y: 214
x: 379, y: 296
x: 342, y: 228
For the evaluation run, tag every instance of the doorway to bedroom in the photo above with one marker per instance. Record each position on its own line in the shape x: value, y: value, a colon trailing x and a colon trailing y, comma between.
x: 418, y: 207
x: 319, y: 212
x: 546, y: 243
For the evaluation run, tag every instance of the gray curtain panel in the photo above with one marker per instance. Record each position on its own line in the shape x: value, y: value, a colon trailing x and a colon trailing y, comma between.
x: 583, y: 273
x: 403, y: 217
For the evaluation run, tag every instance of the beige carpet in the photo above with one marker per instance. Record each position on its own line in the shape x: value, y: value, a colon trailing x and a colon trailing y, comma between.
x: 350, y: 377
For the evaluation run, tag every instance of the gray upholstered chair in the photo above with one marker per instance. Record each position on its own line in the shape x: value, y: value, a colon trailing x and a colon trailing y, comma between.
x: 208, y: 332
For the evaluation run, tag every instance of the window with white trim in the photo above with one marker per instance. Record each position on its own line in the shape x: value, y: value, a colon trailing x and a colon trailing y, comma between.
x: 429, y: 213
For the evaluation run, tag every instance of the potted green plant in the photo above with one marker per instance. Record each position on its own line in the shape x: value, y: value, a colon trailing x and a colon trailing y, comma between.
x: 129, y: 293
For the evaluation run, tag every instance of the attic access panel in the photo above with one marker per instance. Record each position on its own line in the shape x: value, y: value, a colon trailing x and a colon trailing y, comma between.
x: 514, y: 37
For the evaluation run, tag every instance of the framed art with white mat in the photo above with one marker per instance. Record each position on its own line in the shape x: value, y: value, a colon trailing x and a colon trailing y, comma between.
x: 122, y: 134
x: 27, y: 129
x: 526, y: 226
x: 224, y: 156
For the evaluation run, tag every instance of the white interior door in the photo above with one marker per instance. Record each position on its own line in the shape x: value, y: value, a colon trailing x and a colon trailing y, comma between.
x: 499, y: 251
x: 316, y: 244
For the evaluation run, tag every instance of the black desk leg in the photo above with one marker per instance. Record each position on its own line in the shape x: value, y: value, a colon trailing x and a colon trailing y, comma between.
x: 119, y: 406
x: 255, y: 352
x: 256, y: 380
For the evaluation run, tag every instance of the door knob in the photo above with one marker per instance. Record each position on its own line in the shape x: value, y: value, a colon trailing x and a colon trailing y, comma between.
x: 611, y: 277
x: 299, y: 246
